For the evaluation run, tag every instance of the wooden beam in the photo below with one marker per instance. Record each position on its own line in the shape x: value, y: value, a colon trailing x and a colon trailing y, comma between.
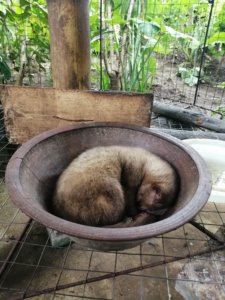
x: 29, y: 111
x: 70, y: 43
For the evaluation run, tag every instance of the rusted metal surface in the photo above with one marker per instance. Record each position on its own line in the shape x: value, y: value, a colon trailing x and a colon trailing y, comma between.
x: 213, y: 236
x: 166, y: 260
x: 14, y: 248
x: 34, y: 168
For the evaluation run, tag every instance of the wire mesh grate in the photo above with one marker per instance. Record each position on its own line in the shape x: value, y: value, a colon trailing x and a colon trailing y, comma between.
x: 158, y: 265
x: 184, y: 262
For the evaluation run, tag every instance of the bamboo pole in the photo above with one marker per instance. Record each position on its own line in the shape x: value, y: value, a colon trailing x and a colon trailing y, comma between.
x: 70, y: 43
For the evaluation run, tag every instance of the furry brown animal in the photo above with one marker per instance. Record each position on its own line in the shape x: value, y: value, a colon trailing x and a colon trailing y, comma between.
x: 104, y: 185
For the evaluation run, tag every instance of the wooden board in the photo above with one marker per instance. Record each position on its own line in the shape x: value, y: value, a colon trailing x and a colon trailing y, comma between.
x: 29, y: 111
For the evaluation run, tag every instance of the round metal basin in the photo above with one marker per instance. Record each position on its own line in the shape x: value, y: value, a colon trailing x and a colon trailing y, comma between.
x: 33, y: 170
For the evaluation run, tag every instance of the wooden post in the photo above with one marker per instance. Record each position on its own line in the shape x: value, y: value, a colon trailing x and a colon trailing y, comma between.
x: 70, y: 43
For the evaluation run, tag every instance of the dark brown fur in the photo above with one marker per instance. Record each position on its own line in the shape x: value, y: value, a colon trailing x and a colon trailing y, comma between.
x: 104, y: 185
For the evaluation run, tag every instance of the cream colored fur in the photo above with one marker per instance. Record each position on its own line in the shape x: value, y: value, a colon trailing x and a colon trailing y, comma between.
x: 104, y: 184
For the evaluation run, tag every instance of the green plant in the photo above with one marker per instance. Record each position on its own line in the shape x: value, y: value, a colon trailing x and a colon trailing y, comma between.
x: 221, y: 111
x: 134, y: 32
x: 5, y: 73
x: 216, y: 41
x: 24, y: 36
x: 219, y: 25
x: 189, y: 75
x: 129, y: 40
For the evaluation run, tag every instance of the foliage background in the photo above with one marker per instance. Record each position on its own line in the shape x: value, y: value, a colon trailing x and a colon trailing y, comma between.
x: 135, y: 34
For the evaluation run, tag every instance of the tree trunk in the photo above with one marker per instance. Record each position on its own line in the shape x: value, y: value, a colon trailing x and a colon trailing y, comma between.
x: 184, y: 115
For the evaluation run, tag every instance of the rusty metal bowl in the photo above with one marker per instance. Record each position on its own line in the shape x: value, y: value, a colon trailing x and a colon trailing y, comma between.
x: 33, y: 169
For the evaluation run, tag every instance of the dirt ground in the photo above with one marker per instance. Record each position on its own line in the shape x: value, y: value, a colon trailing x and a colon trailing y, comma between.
x: 168, y: 86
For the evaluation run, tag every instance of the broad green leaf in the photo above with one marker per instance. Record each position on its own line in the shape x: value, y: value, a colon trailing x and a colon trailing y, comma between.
x: 194, y: 44
x: 190, y: 76
x: 152, y: 65
x: 184, y: 72
x: 10, y: 15
x: 2, y: 9
x: 196, y: 71
x: 94, y: 20
x: 4, y: 68
x: 97, y: 37
x: 149, y: 28
x: 43, y: 10
x: 150, y: 42
x: 117, y: 20
x: 162, y: 49
x: 24, y: 3
x: 177, y: 34
x: 191, y: 80
x: 157, y: 46
x: 218, y: 37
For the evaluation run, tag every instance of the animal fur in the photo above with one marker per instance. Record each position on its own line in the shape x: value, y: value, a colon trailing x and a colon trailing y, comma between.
x: 104, y: 185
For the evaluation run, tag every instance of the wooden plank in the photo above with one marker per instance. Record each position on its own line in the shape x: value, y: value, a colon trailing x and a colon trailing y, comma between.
x: 29, y: 111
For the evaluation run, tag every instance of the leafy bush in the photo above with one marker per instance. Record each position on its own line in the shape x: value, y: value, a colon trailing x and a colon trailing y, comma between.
x: 5, y: 73
x: 134, y: 33
x: 24, y: 35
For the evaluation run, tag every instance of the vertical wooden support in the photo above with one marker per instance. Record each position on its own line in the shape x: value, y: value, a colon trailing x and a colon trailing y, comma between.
x: 70, y: 43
